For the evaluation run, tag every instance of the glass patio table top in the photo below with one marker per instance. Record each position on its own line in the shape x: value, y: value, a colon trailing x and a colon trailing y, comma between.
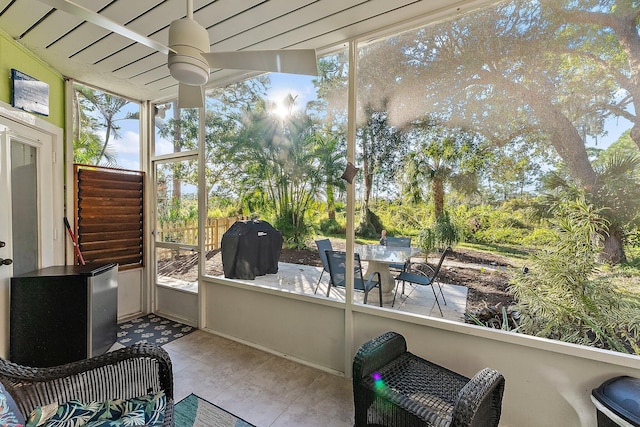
x: 386, y: 254
x: 379, y: 257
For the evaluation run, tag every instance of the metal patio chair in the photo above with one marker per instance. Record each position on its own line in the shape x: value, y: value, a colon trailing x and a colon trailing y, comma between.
x: 414, y: 273
x: 338, y: 269
x: 323, y: 245
x: 400, y: 242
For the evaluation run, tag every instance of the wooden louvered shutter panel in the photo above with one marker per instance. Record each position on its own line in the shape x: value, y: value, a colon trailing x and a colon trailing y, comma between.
x: 110, y: 220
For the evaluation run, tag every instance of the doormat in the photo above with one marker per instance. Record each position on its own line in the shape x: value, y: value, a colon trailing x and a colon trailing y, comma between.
x: 194, y: 411
x: 151, y: 329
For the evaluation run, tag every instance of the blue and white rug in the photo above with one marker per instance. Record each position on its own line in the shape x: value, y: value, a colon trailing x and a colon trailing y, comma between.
x: 194, y: 411
x: 151, y: 329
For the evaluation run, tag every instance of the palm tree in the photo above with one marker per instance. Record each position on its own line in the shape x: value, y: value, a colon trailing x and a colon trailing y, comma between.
x: 618, y: 197
x: 87, y: 145
x: 107, y: 106
x: 277, y: 163
x: 441, y: 156
x: 331, y: 159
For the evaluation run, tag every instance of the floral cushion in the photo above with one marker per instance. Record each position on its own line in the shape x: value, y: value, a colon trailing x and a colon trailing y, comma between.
x: 10, y: 415
x: 146, y: 410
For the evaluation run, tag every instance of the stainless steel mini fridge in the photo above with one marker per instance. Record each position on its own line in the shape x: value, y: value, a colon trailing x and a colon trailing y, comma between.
x: 61, y: 314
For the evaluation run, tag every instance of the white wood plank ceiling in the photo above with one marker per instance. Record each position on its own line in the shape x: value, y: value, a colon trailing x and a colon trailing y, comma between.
x: 88, y: 53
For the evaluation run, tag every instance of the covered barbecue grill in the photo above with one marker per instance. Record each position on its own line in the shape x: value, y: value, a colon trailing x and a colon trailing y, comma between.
x: 250, y: 249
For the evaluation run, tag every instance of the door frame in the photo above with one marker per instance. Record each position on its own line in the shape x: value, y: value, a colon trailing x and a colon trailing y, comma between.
x: 172, y: 303
x: 48, y: 141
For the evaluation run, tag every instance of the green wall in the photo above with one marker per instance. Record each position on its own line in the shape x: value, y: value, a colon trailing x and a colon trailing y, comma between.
x: 14, y: 55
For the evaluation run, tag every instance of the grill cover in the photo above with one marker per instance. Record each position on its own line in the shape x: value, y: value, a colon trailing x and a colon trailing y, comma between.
x: 250, y: 249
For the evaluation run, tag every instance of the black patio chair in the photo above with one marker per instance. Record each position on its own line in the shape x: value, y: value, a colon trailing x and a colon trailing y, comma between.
x: 338, y: 268
x: 323, y: 245
x: 393, y: 387
x: 398, y: 242
x: 414, y: 274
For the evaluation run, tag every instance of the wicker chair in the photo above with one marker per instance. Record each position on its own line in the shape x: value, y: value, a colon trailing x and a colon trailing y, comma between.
x: 393, y: 387
x: 121, y: 374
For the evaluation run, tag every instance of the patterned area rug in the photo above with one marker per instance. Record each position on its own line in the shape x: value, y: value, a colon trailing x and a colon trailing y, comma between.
x: 194, y: 411
x: 151, y: 329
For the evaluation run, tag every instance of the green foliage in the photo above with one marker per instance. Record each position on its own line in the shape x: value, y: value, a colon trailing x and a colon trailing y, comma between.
x: 505, y: 235
x: 96, y: 112
x: 616, y: 192
x: 443, y: 156
x: 427, y: 240
x: 370, y: 226
x: 513, y: 222
x: 440, y: 235
x: 366, y: 231
x: 401, y: 218
x: 539, y: 237
x: 179, y: 210
x: 446, y: 232
x: 295, y: 230
x: 331, y: 227
x: 564, y: 294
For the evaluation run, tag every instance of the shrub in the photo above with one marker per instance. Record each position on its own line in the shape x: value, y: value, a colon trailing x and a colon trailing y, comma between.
x: 331, y: 227
x: 366, y: 230
x: 427, y: 240
x: 295, y: 230
x: 370, y: 227
x: 539, y: 237
x: 563, y: 296
x: 446, y: 232
x: 442, y: 234
x: 497, y: 235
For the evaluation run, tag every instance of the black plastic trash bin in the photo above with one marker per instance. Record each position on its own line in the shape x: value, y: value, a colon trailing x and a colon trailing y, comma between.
x: 618, y: 402
x: 250, y: 249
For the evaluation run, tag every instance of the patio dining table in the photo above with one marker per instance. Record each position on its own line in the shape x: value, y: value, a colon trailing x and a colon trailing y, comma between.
x: 379, y: 257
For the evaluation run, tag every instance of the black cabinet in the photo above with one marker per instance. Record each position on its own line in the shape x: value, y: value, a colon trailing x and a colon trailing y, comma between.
x: 61, y: 314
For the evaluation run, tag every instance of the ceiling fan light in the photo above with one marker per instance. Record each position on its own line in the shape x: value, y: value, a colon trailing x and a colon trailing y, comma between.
x: 188, y: 40
x: 190, y: 74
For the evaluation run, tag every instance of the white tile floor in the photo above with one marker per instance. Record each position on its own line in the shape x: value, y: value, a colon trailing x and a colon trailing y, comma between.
x: 263, y: 389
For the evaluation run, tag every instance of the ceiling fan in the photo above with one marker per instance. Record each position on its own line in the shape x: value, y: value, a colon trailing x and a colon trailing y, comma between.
x: 189, y: 58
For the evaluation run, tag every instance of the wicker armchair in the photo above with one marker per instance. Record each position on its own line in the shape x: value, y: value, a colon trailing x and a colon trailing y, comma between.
x: 121, y: 374
x: 393, y: 387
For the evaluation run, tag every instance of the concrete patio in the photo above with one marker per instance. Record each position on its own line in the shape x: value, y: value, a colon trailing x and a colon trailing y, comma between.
x: 419, y: 300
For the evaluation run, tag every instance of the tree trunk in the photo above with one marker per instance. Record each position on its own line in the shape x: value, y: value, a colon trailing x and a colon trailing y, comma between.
x: 437, y: 187
x: 367, y: 178
x: 177, y: 138
x: 613, y: 252
x: 76, y: 118
x: 331, y: 202
x: 106, y: 142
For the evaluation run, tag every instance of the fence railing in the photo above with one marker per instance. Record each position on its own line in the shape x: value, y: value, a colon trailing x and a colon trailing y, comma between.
x: 186, y: 232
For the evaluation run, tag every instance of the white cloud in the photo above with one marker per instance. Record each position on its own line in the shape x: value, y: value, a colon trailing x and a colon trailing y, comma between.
x: 129, y: 143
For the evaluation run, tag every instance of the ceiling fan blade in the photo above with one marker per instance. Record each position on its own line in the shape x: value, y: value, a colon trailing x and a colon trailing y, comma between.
x: 190, y: 96
x: 104, y: 22
x: 294, y: 61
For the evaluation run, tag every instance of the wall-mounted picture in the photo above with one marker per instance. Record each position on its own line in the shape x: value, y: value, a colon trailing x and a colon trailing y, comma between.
x: 29, y: 94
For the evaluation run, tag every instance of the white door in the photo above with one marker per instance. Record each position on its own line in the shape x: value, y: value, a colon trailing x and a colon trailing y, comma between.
x: 30, y: 182
x: 177, y: 254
